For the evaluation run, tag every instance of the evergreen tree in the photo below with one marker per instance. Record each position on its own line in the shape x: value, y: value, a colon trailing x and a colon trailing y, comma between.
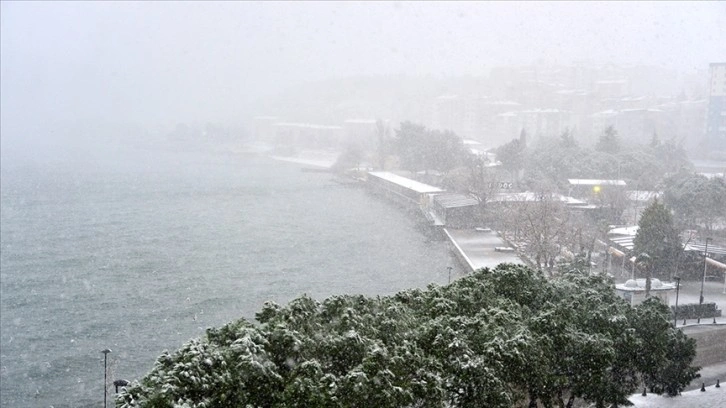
x: 657, y: 242
x: 496, y: 338
x: 609, y: 141
x: 512, y: 155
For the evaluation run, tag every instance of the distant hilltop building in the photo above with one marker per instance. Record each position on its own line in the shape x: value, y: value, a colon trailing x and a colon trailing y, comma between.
x: 545, y: 101
x: 716, y: 117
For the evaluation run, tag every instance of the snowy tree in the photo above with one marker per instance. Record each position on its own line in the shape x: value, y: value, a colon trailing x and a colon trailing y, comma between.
x: 657, y: 242
x: 698, y: 202
x: 609, y: 141
x: 497, y: 338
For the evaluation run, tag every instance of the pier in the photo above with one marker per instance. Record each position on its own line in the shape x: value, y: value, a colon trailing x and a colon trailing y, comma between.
x: 474, y: 248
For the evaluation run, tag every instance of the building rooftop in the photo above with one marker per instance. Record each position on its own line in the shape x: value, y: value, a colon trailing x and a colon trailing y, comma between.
x: 307, y: 126
x: 532, y: 196
x: 596, y: 182
x: 405, y: 182
x: 638, y: 285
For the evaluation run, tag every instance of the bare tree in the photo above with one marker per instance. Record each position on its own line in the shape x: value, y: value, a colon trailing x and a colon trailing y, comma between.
x: 541, y: 223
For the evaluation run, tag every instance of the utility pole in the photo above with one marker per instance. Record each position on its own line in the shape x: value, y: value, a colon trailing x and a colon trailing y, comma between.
x: 675, y: 313
x: 105, y: 360
x: 703, y: 281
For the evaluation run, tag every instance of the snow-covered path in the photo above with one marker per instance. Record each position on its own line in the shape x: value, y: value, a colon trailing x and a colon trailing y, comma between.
x: 712, y: 398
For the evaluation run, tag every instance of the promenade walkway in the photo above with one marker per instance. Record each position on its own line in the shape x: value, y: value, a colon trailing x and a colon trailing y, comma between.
x: 712, y: 398
x: 478, y: 249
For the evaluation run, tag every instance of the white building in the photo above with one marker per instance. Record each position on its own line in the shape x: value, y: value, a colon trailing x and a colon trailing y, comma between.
x: 633, y: 290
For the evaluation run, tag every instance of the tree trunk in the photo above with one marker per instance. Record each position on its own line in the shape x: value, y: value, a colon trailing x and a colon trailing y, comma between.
x: 648, y: 277
x: 571, y: 401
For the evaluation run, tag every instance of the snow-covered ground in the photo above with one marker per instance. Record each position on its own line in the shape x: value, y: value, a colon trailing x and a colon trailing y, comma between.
x: 479, y: 248
x: 712, y: 292
x: 711, y: 398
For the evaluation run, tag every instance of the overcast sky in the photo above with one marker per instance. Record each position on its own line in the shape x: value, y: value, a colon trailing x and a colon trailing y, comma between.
x: 172, y: 62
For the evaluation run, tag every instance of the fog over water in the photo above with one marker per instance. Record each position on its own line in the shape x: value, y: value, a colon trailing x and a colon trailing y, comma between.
x: 71, y: 64
x: 116, y: 232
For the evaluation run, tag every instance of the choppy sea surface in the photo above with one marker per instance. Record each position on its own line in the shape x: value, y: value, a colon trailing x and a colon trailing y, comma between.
x: 142, y: 252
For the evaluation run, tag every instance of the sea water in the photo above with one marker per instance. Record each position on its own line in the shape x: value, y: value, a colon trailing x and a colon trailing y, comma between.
x: 141, y: 252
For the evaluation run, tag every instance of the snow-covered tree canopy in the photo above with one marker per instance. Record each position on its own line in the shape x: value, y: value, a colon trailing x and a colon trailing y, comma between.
x: 497, y: 338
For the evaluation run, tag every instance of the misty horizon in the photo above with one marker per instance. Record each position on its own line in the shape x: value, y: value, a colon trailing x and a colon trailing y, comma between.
x: 71, y: 67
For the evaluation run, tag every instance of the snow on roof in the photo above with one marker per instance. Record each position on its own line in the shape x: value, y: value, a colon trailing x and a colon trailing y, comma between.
x: 637, y: 285
x: 405, y: 182
x: 573, y: 201
x: 532, y: 196
x: 715, y: 263
x: 595, y: 182
x: 307, y: 126
x: 698, y: 246
x: 624, y: 242
x: 630, y: 230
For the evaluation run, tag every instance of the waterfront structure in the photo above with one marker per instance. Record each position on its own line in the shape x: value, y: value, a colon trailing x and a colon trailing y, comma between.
x: 402, y: 189
x: 716, y: 117
x: 455, y: 210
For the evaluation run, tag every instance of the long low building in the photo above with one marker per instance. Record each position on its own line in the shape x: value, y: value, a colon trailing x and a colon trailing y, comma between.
x: 410, y: 191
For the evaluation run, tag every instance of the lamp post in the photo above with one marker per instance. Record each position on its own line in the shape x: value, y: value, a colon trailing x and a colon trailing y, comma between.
x: 675, y: 313
x: 449, y: 268
x: 120, y: 383
x: 105, y: 360
x: 705, y: 266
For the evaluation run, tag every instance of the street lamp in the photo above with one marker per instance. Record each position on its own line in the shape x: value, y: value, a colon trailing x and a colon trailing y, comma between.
x: 675, y: 313
x: 105, y: 359
x: 705, y: 266
x: 120, y: 383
